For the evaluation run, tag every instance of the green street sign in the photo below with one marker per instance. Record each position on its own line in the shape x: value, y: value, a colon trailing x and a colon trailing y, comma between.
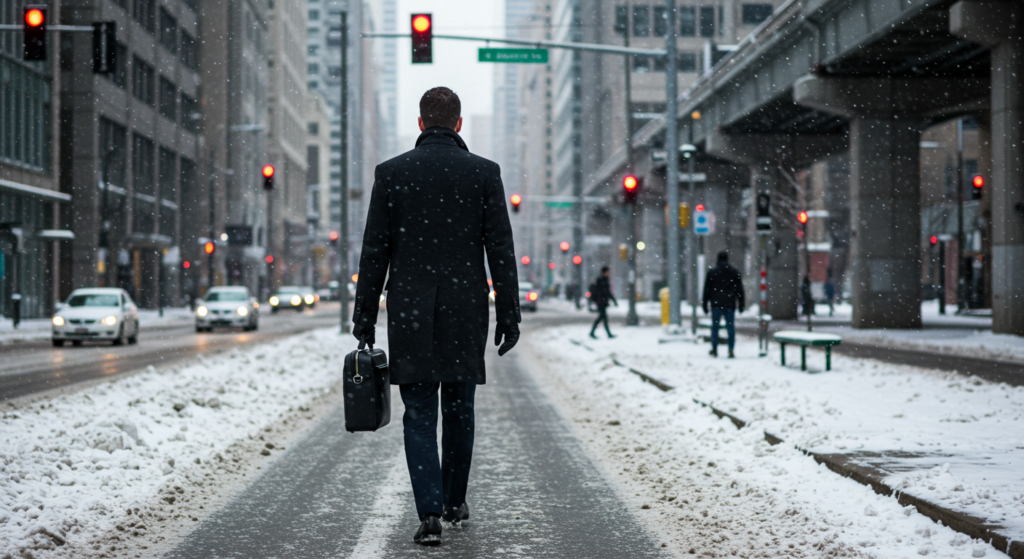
x: 516, y: 56
x: 558, y: 205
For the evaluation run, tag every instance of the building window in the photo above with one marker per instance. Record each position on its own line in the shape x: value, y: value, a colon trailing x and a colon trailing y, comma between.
x: 167, y: 177
x: 621, y: 19
x: 754, y: 14
x: 641, y: 64
x: 313, y: 128
x: 189, y: 187
x: 313, y: 50
x: 707, y: 21
x: 641, y: 21
x: 312, y: 69
x: 334, y: 72
x: 687, y: 62
x: 189, y: 52
x: 120, y: 74
x: 143, y: 187
x: 145, y: 14
x: 143, y: 81
x: 191, y: 118
x: 314, y: 15
x: 687, y: 21
x: 660, y: 21
x: 121, y: 3
x: 168, y: 99
x: 168, y: 31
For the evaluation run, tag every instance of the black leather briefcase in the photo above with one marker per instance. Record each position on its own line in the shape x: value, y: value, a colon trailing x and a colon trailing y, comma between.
x: 367, y: 386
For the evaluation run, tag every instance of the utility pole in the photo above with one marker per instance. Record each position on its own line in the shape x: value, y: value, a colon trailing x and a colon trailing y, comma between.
x: 691, y: 238
x: 961, y: 293
x: 631, y: 317
x: 343, y: 241
x: 672, y: 164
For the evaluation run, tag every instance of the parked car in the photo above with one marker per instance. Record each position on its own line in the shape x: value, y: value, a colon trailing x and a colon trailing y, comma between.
x: 527, y: 297
x: 287, y: 297
x: 228, y: 306
x: 101, y: 313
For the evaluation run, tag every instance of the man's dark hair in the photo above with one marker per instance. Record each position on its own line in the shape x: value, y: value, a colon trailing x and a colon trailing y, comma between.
x: 604, y: 269
x: 723, y: 256
x: 440, y: 106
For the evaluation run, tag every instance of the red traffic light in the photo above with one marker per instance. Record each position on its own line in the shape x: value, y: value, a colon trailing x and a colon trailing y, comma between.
x: 268, y: 171
x: 516, y: 199
x: 700, y: 207
x: 422, y: 39
x: 186, y: 264
x: 333, y: 236
x: 577, y: 260
x: 209, y: 247
x: 269, y: 259
x: 421, y: 23
x: 978, y: 181
x: 564, y: 245
x: 630, y: 183
x: 802, y: 217
x: 630, y: 188
x: 551, y: 266
x: 934, y: 240
x: 34, y: 17
x: 526, y: 261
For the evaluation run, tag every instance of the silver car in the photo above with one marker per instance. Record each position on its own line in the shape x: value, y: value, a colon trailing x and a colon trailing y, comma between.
x: 528, y: 296
x: 101, y: 313
x: 229, y: 306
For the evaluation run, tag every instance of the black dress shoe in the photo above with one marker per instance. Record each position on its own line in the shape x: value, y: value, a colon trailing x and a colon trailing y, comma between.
x: 456, y: 515
x: 429, y: 532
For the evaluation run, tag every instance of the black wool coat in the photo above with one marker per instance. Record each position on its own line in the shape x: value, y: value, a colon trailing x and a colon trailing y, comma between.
x: 434, y: 213
x: 723, y: 286
x: 602, y: 293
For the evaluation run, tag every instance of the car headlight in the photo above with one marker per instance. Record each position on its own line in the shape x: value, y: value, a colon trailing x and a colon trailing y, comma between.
x: 296, y: 300
x: 201, y: 311
x: 274, y: 301
x: 58, y: 321
x: 242, y: 311
x: 110, y: 320
x: 309, y: 299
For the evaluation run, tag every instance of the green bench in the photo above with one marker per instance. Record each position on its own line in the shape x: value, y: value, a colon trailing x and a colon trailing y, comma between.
x: 804, y: 339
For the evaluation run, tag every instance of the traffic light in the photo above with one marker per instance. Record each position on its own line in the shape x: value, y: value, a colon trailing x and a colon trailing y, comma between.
x: 551, y: 265
x: 630, y: 188
x: 526, y: 261
x: 934, y: 240
x: 801, y: 228
x: 422, y: 38
x: 333, y: 236
x: 269, y: 259
x: 577, y: 260
x: 516, y: 200
x: 977, y: 183
x: 268, y: 177
x: 34, y: 33
x: 209, y: 247
x: 564, y: 245
x: 104, y: 47
x: 186, y: 264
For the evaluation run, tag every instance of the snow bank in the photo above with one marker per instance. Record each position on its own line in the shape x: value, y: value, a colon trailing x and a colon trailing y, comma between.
x: 712, y: 490
x: 124, y: 456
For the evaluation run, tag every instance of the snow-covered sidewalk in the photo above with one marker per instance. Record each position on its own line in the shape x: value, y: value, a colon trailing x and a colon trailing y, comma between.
x: 86, y: 473
x: 946, y: 438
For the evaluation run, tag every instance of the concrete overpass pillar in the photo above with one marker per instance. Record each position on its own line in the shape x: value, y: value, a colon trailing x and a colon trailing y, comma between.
x: 886, y: 117
x: 774, y: 161
x: 998, y: 25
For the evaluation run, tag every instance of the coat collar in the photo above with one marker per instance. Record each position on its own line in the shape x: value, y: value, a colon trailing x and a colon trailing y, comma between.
x: 441, y: 135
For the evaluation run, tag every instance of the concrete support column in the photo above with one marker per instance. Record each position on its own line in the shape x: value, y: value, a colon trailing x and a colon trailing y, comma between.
x: 886, y: 218
x: 998, y: 24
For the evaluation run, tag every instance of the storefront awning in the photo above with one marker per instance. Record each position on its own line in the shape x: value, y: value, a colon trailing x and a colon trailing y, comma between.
x: 35, y: 191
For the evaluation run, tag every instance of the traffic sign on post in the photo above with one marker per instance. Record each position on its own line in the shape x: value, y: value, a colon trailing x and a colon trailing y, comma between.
x: 763, y: 221
x: 515, y: 56
x: 703, y: 222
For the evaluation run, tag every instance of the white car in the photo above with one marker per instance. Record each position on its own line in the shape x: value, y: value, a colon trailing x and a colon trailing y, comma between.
x: 527, y: 296
x: 229, y: 306
x: 102, y: 313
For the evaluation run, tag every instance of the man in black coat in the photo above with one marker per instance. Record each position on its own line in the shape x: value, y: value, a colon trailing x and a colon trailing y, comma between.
x: 434, y: 213
x: 600, y: 295
x: 723, y: 287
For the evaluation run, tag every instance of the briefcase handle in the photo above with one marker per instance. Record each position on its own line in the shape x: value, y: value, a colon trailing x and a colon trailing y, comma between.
x: 358, y: 378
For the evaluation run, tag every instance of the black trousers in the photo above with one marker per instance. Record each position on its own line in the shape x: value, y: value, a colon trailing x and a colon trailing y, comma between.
x: 438, y: 482
x: 602, y: 316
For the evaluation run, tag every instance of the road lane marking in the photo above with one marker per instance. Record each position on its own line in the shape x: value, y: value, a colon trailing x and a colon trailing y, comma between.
x: 388, y: 509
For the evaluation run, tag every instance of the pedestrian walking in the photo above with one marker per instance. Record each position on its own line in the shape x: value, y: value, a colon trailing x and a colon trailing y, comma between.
x: 600, y: 295
x: 434, y: 213
x: 723, y: 287
x: 806, y: 297
x: 830, y: 293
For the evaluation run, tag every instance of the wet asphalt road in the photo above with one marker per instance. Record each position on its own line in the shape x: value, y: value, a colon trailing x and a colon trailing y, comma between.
x: 33, y: 367
x: 533, y: 492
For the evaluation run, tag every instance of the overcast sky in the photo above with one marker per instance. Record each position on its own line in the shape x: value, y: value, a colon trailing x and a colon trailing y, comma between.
x: 455, y: 62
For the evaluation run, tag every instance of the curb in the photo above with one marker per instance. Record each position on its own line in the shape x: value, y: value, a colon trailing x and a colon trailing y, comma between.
x: 965, y: 524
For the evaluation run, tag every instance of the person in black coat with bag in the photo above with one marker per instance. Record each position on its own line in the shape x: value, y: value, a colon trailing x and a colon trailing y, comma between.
x: 723, y: 287
x: 434, y: 213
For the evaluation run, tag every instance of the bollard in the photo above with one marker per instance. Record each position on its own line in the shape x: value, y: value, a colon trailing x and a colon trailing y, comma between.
x: 16, y: 308
x: 663, y: 295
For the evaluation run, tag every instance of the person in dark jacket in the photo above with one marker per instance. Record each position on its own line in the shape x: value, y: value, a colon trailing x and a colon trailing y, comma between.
x: 600, y: 295
x: 434, y: 213
x: 723, y: 287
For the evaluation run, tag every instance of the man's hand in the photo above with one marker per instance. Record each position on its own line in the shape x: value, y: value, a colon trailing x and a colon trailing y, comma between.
x: 511, y: 334
x: 365, y: 335
x: 705, y: 307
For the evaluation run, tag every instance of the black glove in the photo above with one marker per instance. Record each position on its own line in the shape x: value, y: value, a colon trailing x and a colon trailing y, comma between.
x: 705, y: 307
x: 511, y: 334
x: 364, y: 334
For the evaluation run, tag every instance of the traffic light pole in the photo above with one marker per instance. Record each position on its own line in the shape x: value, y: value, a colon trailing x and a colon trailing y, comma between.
x: 672, y: 164
x: 343, y: 241
x: 631, y: 317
